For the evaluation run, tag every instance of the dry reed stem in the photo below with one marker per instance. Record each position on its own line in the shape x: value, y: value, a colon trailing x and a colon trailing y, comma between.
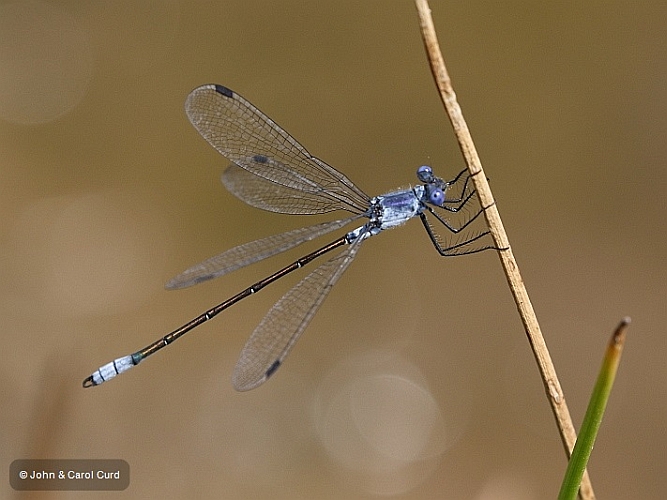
x: 510, y: 267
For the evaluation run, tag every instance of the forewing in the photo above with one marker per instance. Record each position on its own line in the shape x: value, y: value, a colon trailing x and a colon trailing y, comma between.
x: 274, y: 337
x: 251, y: 140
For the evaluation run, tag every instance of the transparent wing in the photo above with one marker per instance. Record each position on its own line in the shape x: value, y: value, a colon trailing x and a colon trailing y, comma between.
x: 274, y: 337
x: 254, y: 142
x: 254, y: 251
x: 267, y: 195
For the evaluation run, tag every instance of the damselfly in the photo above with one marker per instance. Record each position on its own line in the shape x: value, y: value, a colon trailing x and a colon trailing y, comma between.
x: 272, y: 171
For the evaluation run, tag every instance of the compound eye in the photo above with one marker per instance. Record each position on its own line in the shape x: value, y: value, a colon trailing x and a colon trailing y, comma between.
x: 425, y: 173
x: 436, y: 196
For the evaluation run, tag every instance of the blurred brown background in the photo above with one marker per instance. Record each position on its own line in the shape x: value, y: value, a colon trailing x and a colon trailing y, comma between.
x: 415, y: 379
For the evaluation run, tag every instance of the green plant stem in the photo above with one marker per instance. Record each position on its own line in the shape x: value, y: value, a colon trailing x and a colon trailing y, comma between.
x: 595, y: 411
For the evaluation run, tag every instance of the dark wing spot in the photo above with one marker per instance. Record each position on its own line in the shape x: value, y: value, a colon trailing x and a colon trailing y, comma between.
x: 272, y: 369
x: 260, y: 159
x: 224, y: 91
